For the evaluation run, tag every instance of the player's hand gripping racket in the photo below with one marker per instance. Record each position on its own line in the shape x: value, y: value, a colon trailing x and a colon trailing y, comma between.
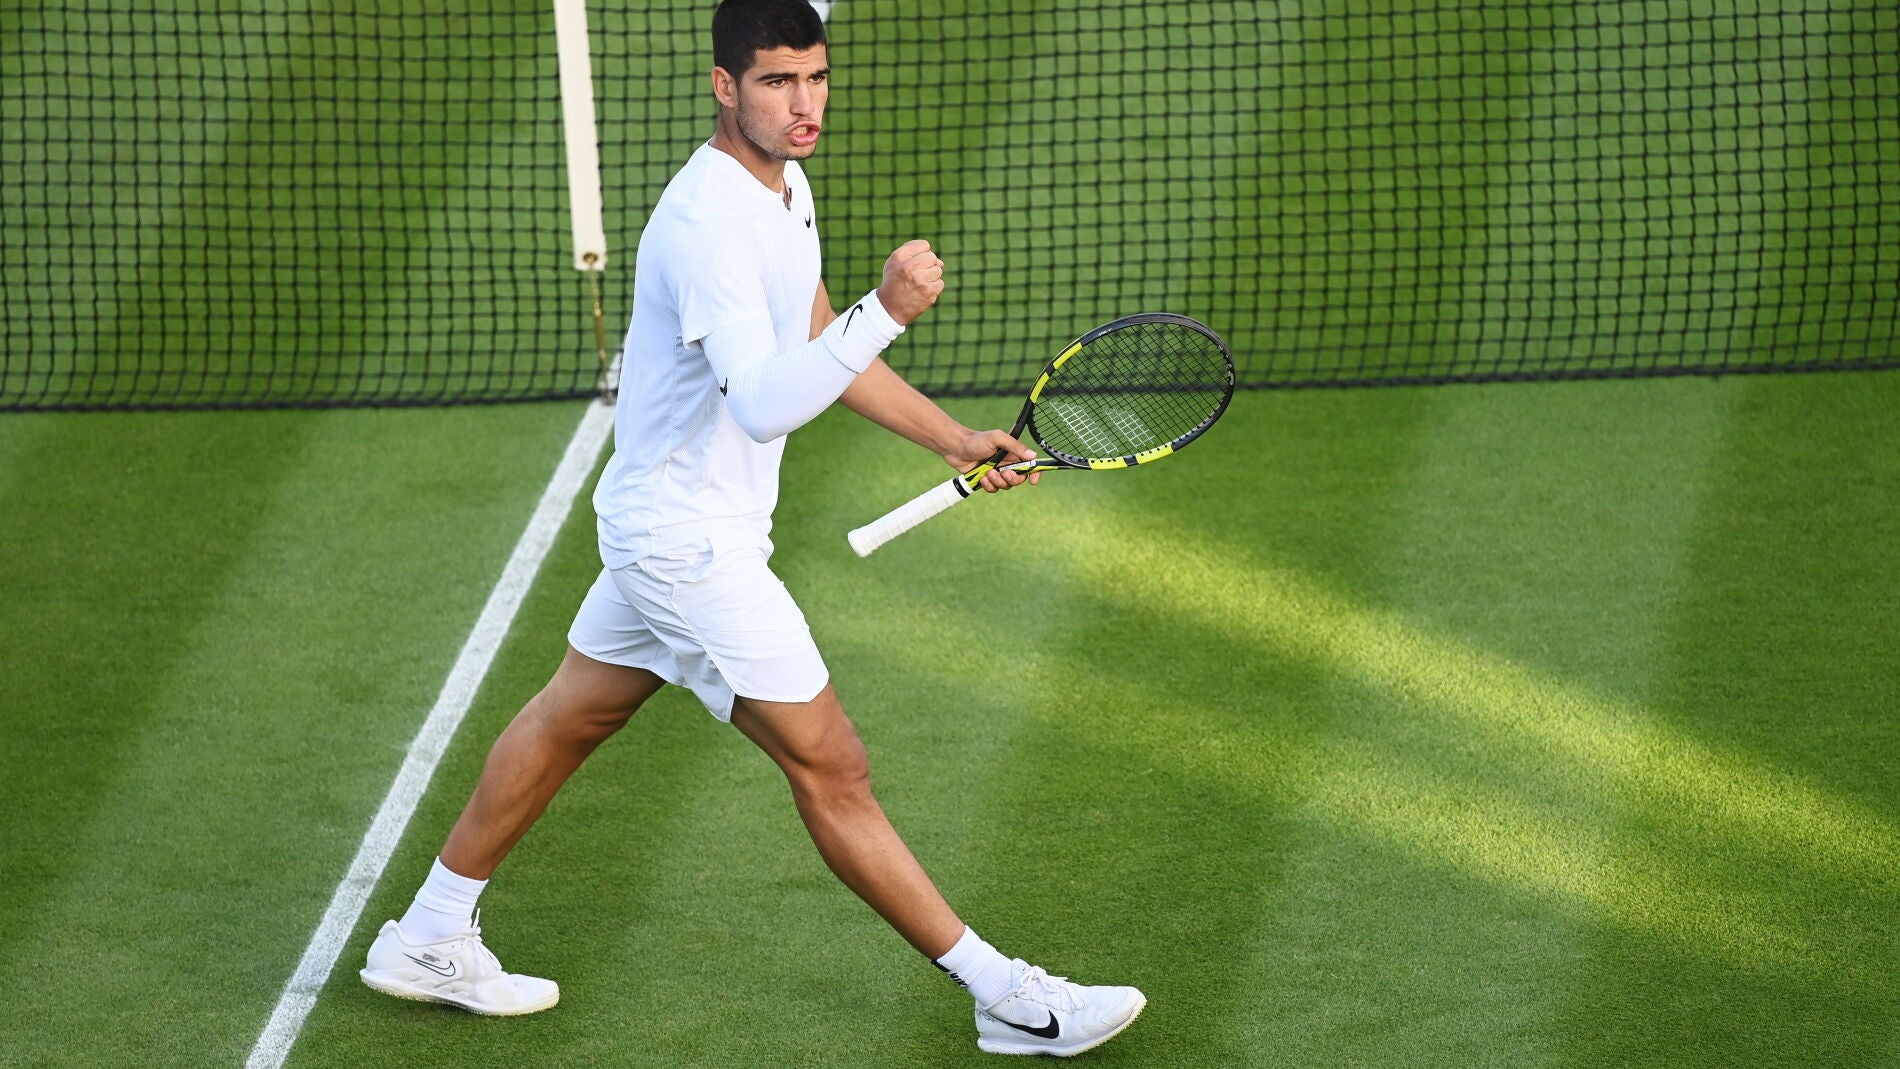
x: 1126, y: 393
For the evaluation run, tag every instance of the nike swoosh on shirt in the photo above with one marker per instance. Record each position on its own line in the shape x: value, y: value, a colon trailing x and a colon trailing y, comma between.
x: 450, y: 971
x: 808, y: 222
x: 1047, y: 1031
x: 722, y: 388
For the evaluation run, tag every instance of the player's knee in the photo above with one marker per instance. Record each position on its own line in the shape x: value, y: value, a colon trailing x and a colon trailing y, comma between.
x: 590, y: 701
x: 841, y: 776
x: 580, y: 715
x: 598, y: 722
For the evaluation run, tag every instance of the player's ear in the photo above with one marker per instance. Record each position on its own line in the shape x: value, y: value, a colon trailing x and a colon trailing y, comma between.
x: 725, y: 88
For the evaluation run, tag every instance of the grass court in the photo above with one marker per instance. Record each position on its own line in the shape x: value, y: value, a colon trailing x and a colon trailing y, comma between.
x: 1534, y: 725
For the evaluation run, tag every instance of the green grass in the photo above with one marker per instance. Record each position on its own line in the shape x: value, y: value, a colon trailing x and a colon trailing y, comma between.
x: 1527, y: 725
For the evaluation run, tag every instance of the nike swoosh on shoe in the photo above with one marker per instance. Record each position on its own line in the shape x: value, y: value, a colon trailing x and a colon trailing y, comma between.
x: 1048, y: 1031
x: 449, y: 973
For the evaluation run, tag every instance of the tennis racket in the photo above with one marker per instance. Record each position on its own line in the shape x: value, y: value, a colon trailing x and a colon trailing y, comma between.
x: 1126, y: 393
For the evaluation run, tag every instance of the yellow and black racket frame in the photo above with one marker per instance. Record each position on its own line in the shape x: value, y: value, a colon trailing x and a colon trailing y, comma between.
x: 1058, y: 459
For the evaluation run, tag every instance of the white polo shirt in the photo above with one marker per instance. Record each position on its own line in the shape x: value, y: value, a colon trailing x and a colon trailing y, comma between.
x: 719, y: 249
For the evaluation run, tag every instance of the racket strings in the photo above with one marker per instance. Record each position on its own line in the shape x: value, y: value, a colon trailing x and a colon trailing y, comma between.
x: 1133, y: 389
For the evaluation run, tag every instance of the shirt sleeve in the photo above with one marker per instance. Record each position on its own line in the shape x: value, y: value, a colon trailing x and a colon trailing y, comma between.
x: 772, y: 394
x: 718, y: 286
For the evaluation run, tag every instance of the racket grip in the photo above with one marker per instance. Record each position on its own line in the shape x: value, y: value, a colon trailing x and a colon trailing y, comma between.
x: 908, y: 515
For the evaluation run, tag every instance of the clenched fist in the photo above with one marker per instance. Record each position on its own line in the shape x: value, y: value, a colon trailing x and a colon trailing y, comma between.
x: 913, y: 277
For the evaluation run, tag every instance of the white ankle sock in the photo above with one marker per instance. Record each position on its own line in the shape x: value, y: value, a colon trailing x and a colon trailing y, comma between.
x: 444, y: 906
x: 979, y: 967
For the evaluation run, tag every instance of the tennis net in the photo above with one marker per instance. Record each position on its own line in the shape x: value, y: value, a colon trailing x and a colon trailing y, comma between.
x: 281, y: 205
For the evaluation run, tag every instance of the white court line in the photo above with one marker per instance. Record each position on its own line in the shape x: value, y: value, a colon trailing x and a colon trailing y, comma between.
x: 471, y: 666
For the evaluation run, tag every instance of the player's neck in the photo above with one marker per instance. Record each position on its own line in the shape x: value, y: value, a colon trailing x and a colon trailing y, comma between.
x: 768, y: 169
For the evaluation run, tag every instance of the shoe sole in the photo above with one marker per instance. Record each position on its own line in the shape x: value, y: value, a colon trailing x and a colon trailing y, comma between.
x: 989, y: 1046
x: 391, y: 986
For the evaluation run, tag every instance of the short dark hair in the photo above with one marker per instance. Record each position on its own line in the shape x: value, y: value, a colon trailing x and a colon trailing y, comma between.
x: 740, y: 28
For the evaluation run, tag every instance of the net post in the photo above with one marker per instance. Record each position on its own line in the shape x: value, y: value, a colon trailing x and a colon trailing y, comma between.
x: 583, y: 166
x: 583, y: 142
x: 604, y: 384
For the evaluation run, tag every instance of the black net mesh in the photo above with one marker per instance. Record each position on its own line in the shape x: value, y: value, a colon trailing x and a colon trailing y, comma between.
x: 275, y: 204
x: 1134, y: 388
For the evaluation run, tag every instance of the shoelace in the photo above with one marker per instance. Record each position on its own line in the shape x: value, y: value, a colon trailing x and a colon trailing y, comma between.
x: 1055, y: 992
x: 487, y: 956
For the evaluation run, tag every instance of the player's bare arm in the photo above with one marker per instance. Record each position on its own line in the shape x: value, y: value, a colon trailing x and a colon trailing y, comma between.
x: 913, y: 280
x: 882, y: 396
x: 822, y: 315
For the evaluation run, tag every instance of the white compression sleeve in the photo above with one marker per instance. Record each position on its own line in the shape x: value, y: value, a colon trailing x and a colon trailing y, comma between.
x: 771, y: 394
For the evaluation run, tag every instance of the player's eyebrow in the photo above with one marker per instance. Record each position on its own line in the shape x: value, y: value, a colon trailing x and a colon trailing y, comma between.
x: 772, y: 76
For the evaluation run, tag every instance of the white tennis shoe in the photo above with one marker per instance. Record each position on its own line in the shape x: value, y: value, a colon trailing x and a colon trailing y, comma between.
x: 1049, y: 1015
x: 459, y: 971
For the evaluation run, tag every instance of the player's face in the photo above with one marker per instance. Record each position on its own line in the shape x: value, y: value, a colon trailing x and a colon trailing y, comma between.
x: 781, y: 100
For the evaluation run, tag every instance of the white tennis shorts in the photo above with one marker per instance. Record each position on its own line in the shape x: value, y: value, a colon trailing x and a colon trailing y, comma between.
x: 716, y: 621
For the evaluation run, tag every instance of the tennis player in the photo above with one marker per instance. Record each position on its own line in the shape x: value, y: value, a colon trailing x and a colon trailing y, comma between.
x: 734, y: 344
